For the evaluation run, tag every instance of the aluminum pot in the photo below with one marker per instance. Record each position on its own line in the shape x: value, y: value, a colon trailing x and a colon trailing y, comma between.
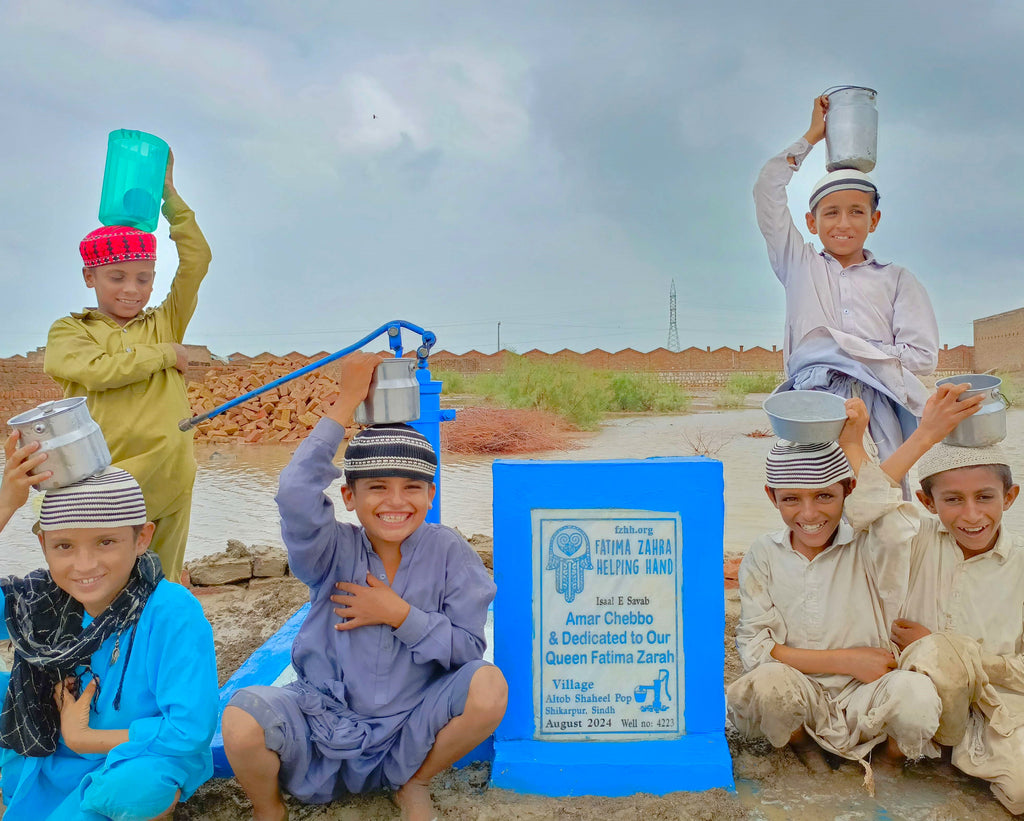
x: 988, y: 425
x: 851, y: 128
x: 806, y: 417
x: 73, y: 442
x: 394, y: 394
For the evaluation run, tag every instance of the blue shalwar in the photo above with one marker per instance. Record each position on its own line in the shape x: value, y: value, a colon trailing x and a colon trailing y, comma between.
x: 368, y: 702
x: 169, y: 705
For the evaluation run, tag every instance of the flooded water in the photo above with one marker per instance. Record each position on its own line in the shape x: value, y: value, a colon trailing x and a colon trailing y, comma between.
x: 235, y: 485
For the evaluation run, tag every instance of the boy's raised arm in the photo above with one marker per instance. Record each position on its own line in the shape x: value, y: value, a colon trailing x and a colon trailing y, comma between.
x: 785, y: 243
x: 18, y: 463
x: 308, y: 524
x: 942, y: 413
x: 194, y: 256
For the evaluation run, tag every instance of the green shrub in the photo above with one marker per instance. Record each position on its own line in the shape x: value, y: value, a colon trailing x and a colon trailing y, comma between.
x: 1012, y: 387
x: 580, y: 395
x: 640, y: 392
x: 760, y: 382
x: 729, y: 399
x: 454, y: 382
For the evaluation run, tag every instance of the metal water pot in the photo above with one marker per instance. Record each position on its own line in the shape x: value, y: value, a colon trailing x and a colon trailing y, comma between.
x: 988, y: 425
x: 73, y: 442
x: 394, y: 394
x: 851, y: 128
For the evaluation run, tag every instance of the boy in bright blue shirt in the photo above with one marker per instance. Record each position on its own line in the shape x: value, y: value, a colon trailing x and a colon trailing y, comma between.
x: 112, y: 700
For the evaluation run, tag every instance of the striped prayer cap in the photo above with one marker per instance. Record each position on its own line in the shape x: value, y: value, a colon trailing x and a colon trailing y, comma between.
x: 111, y: 498
x: 381, y: 451
x: 806, y: 466
x: 943, y: 457
x: 845, y: 179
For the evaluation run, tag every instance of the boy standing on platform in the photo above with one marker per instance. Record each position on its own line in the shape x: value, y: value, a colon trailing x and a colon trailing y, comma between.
x: 855, y: 326
x: 128, y: 361
x: 397, y: 690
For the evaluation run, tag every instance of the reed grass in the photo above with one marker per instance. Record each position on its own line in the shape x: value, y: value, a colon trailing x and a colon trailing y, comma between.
x: 759, y: 382
x: 644, y: 392
x: 580, y: 395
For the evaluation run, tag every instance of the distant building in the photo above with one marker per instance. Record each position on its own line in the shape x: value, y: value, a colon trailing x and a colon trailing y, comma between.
x: 999, y: 342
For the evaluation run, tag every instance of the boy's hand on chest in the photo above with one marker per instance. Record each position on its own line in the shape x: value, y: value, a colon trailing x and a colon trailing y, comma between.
x: 375, y: 603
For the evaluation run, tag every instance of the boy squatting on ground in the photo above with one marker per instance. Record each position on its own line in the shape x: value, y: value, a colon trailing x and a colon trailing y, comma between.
x: 817, y: 599
x: 128, y: 362
x: 397, y: 690
x: 855, y: 326
x: 112, y: 699
x: 963, y: 619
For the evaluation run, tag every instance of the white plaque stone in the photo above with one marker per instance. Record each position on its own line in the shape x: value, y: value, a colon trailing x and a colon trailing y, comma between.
x: 609, y: 640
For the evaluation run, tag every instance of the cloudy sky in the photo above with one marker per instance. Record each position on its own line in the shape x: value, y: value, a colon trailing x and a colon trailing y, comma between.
x: 551, y: 167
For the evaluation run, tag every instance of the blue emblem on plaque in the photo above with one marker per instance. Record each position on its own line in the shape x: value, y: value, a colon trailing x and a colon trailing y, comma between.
x: 569, y: 556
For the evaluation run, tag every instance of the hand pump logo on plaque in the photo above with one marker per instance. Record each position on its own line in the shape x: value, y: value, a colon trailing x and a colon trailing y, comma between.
x: 608, y: 652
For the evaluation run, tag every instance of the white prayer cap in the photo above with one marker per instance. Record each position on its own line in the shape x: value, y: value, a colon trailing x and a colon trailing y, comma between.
x: 943, y: 457
x: 845, y: 179
x: 111, y: 498
x: 806, y: 466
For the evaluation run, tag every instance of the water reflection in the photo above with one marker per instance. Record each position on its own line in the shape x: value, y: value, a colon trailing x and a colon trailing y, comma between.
x: 235, y: 485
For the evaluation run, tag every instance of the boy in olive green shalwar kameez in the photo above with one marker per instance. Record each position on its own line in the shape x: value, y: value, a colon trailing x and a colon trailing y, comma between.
x: 128, y: 361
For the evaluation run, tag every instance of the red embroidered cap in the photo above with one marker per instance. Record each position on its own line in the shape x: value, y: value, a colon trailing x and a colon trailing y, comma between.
x: 116, y: 243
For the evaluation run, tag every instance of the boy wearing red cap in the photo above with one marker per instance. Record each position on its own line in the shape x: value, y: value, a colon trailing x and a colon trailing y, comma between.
x: 128, y: 361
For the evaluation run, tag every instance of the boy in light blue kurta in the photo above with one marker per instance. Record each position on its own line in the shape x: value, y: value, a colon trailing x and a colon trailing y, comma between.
x: 112, y: 700
x: 394, y: 690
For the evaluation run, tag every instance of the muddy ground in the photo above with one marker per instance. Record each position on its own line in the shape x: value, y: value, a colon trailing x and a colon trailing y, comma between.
x: 771, y: 784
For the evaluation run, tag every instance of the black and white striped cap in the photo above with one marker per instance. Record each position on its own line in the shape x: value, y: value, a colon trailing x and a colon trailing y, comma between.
x: 814, y: 466
x: 845, y: 179
x: 381, y: 451
x: 111, y: 498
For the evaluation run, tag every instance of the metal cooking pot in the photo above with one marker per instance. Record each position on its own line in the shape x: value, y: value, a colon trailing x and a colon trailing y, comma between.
x: 806, y: 417
x: 394, y: 394
x: 73, y: 442
x: 988, y: 425
x: 851, y: 128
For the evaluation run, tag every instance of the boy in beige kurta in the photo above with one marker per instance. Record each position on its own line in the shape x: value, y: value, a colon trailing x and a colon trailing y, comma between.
x: 818, y: 597
x: 963, y: 620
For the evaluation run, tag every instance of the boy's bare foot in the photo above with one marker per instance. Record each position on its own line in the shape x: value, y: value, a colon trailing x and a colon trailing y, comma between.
x: 809, y: 753
x: 272, y: 814
x: 887, y: 758
x: 413, y: 800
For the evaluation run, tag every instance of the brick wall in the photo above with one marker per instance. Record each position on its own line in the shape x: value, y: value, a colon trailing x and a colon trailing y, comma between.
x: 23, y: 385
x: 999, y: 341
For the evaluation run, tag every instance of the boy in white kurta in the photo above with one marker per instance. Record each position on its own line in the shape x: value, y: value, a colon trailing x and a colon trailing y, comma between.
x: 963, y: 620
x: 855, y: 325
x: 817, y: 599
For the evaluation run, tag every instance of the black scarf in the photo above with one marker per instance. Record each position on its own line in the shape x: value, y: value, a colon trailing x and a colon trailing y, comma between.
x: 45, y: 625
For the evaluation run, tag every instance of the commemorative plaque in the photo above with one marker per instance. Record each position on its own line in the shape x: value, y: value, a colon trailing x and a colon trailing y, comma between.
x: 606, y: 595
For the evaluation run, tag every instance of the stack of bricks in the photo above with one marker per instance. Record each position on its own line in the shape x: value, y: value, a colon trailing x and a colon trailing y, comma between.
x: 281, y: 415
x: 23, y: 385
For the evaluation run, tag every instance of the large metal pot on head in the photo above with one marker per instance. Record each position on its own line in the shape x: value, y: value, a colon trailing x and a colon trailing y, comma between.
x: 851, y: 128
x: 73, y: 442
x: 394, y: 394
x: 988, y: 425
